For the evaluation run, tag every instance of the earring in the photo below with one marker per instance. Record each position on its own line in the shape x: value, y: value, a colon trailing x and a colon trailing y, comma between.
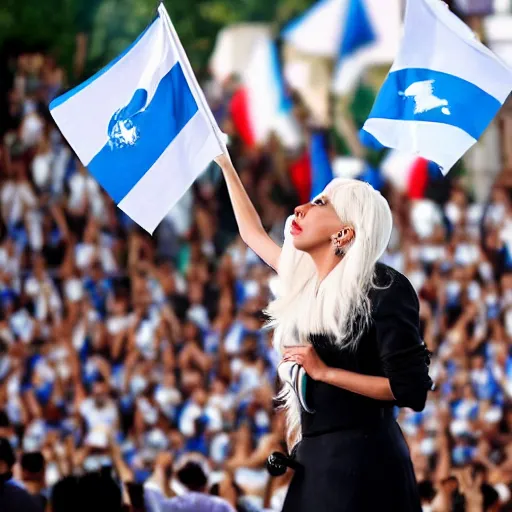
x: 336, y: 241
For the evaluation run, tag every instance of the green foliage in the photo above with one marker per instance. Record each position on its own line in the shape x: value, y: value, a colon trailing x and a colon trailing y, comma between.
x: 49, y: 24
x: 114, y: 24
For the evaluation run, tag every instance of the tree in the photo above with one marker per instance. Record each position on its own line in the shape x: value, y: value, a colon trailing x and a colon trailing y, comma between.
x: 48, y: 24
x: 114, y: 24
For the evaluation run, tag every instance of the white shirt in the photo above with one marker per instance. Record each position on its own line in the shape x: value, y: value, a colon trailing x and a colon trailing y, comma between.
x: 15, y: 198
x: 191, y: 502
x: 35, y: 289
x: 98, y: 417
x: 117, y: 324
x: 425, y: 215
x: 84, y: 254
x: 192, y: 412
x: 81, y: 185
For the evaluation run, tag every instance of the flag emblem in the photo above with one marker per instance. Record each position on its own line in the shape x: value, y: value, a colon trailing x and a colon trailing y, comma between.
x: 122, y: 129
x: 424, y: 99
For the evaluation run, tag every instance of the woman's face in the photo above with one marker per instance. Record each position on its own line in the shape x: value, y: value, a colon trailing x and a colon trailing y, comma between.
x: 314, y: 224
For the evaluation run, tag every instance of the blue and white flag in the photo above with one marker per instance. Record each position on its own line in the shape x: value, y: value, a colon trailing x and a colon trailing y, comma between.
x: 358, y: 33
x: 442, y: 91
x: 317, y: 31
x: 321, y: 169
x: 141, y: 125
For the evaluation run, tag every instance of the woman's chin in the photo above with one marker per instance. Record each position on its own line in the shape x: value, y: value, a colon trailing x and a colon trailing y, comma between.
x: 300, y: 245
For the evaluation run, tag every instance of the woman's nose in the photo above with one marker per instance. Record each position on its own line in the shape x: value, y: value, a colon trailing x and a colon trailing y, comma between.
x: 301, y: 210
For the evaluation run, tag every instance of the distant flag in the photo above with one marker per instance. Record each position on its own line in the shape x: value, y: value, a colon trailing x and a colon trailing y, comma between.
x: 443, y: 89
x: 141, y: 125
x: 300, y: 176
x: 358, y: 32
x: 261, y: 105
x: 321, y: 170
x: 408, y: 173
x: 373, y: 176
x: 312, y: 170
x: 417, y: 179
x: 318, y: 30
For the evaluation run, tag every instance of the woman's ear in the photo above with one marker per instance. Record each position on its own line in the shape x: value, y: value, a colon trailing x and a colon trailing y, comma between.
x: 346, y: 235
x: 342, y: 239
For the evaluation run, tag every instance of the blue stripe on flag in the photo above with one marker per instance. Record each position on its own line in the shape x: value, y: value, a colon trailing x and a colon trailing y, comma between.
x: 417, y: 94
x: 368, y: 140
x: 358, y: 30
x: 61, y: 99
x: 321, y: 170
x: 142, y: 137
x: 285, y: 103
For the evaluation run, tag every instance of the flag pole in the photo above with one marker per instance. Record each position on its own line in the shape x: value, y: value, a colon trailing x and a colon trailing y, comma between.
x: 191, y: 78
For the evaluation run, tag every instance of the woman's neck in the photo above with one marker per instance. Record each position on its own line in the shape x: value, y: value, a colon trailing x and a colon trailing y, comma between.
x: 325, y: 261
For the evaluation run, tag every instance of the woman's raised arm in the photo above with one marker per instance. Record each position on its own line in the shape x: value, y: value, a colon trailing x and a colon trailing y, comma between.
x: 249, y: 222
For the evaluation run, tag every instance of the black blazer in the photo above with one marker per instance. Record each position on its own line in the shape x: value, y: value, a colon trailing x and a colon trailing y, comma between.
x: 391, y: 347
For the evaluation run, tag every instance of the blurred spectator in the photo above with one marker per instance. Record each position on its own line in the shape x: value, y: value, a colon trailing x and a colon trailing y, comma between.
x: 193, y: 478
x: 91, y: 491
x: 33, y: 468
x: 13, y: 497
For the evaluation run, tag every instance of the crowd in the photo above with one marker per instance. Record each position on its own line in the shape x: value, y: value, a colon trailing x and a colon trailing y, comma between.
x: 125, y: 357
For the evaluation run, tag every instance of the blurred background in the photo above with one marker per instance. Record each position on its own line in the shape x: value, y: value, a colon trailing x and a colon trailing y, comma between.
x: 125, y: 355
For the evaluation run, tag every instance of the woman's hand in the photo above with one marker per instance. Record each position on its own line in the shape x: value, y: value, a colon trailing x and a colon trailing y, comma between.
x: 308, y: 359
x: 223, y: 161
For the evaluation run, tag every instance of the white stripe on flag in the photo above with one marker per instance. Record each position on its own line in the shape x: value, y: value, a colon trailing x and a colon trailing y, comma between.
x: 442, y: 138
x: 438, y: 49
x: 148, y: 202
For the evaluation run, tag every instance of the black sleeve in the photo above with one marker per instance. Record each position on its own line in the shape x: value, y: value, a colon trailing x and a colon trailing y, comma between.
x: 404, y: 356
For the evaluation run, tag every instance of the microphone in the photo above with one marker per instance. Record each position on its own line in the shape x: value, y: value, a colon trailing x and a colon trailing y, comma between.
x: 278, y: 462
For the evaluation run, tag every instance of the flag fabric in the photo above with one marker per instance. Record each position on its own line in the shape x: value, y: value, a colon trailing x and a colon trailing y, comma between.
x: 358, y: 33
x: 410, y: 174
x: 141, y: 125
x: 321, y: 170
x: 300, y: 176
x: 417, y: 179
x: 312, y: 170
x: 373, y: 176
x: 442, y: 91
x: 318, y: 30
x: 240, y: 114
x: 261, y: 105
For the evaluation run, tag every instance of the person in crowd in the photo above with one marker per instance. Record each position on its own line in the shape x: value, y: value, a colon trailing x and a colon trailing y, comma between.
x: 33, y: 476
x: 90, y: 491
x: 13, y: 496
x: 194, y: 480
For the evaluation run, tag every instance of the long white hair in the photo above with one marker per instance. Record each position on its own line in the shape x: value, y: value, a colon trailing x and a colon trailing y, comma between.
x: 339, y: 305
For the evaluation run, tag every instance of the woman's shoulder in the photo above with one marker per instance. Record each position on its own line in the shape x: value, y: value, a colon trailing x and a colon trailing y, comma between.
x: 391, y: 284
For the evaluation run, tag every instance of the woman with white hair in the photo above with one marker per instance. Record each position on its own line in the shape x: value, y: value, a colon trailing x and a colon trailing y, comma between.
x: 348, y: 330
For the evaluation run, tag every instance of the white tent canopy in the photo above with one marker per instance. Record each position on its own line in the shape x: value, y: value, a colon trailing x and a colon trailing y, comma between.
x: 233, y: 48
